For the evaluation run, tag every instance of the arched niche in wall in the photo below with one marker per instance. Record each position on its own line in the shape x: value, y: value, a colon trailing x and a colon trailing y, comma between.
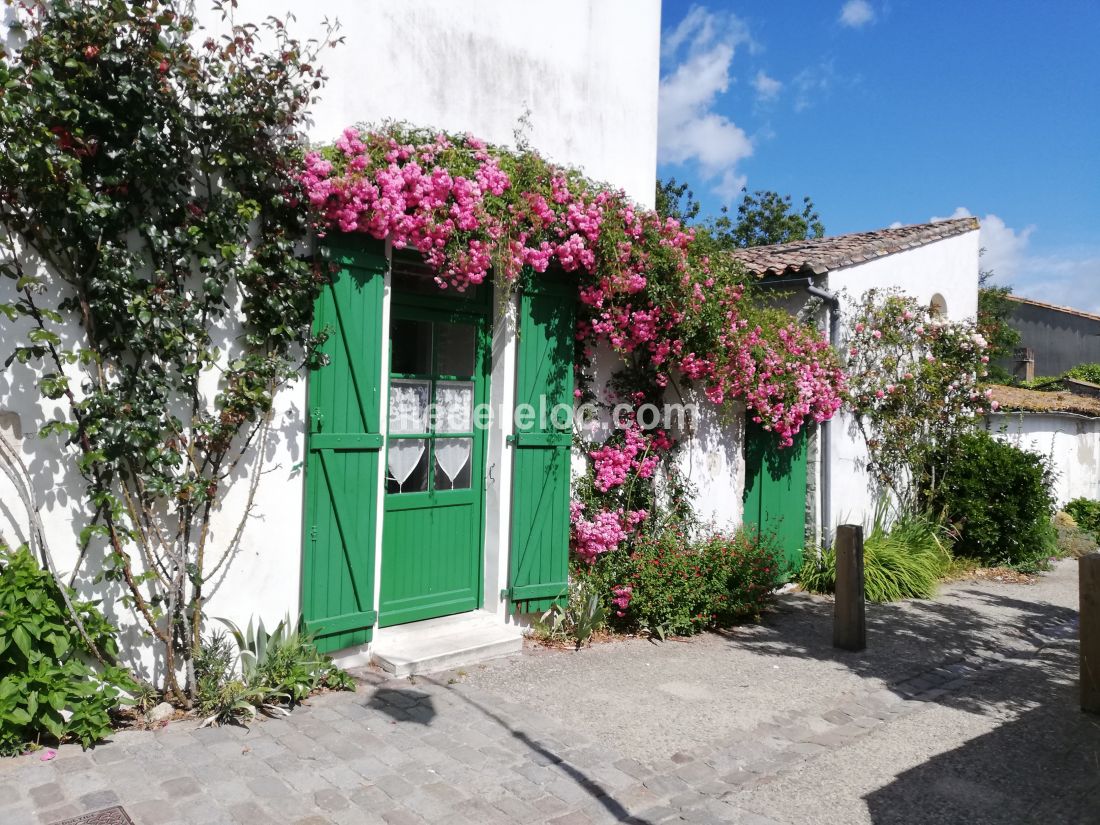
x: 938, y: 306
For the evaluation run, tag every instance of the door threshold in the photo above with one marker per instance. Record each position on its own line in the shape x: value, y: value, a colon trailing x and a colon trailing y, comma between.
x: 433, y: 645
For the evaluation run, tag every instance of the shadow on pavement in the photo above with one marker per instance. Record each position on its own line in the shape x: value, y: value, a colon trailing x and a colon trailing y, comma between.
x: 908, y: 638
x: 403, y: 705
x: 1041, y: 764
x: 582, y: 780
x: 1041, y: 767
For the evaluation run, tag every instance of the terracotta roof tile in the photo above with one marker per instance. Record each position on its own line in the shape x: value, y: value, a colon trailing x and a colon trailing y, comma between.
x: 817, y: 256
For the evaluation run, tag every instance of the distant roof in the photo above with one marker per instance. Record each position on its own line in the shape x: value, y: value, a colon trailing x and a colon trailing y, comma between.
x: 817, y: 256
x: 1080, y: 313
x: 1018, y: 399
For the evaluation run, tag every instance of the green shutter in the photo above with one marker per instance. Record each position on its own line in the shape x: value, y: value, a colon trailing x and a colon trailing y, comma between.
x: 344, y: 444
x: 775, y: 491
x: 539, y: 570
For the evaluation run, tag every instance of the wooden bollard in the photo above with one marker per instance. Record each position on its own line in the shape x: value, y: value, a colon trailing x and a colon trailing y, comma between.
x: 1089, y: 577
x: 849, y: 610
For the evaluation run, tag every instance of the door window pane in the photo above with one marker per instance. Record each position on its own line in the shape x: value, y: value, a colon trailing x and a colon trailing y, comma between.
x: 409, y: 401
x: 455, y: 344
x: 407, y: 465
x: 452, y: 463
x: 410, y: 346
x: 454, y: 406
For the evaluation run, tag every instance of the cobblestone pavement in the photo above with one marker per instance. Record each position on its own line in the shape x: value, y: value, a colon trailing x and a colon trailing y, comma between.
x: 443, y: 749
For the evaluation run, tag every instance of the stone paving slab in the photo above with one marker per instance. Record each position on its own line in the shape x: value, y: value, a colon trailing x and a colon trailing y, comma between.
x: 450, y: 750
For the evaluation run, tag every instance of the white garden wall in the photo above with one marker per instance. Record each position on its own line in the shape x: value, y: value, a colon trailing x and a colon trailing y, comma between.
x: 948, y: 268
x: 1070, y: 443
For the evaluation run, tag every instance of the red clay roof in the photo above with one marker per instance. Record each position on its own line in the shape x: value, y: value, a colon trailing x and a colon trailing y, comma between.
x: 817, y: 256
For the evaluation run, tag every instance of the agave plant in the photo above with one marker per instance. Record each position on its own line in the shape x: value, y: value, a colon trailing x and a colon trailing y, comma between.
x: 579, y: 619
x: 255, y: 645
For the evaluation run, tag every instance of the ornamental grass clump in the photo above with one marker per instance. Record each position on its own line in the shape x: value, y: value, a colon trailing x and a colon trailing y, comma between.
x: 904, y: 560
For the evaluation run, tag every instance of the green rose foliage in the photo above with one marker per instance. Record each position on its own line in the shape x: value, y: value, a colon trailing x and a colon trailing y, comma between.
x: 49, y: 690
x: 1086, y: 513
x: 913, y: 386
x: 152, y: 236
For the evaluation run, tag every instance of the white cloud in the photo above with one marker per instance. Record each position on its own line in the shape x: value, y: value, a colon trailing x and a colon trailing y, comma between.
x: 767, y: 88
x: 701, y: 49
x: 812, y: 84
x: 1068, y: 278
x: 1005, y: 248
x: 856, y: 13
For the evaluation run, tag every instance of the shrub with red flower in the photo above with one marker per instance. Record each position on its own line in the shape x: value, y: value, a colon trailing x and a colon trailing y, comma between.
x: 671, y: 584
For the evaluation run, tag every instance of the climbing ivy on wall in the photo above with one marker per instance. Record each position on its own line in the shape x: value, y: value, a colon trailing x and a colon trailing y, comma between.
x: 152, y: 230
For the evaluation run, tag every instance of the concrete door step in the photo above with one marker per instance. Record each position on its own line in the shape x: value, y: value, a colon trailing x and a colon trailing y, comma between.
x: 441, y: 644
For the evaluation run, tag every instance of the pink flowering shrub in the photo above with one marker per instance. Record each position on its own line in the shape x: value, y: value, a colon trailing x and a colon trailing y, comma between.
x: 639, y: 453
x: 603, y: 532
x: 913, y: 385
x: 470, y: 208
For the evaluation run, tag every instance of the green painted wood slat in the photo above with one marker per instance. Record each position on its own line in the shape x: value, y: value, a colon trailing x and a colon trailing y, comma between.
x: 539, y: 564
x: 775, y: 491
x: 343, y: 451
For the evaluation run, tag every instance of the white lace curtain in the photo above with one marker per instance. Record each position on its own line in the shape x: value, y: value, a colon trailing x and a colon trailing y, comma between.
x: 409, y: 402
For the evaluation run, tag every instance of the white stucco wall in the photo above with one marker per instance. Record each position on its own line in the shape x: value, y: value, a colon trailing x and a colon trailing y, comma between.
x: 712, y: 460
x: 583, y: 74
x: 949, y: 268
x: 710, y: 447
x: 1070, y: 443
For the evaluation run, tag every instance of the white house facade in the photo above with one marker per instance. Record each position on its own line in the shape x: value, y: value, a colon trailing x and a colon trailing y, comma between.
x: 936, y: 263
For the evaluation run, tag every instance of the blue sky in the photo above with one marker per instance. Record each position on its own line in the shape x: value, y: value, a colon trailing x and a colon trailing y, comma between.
x: 889, y: 111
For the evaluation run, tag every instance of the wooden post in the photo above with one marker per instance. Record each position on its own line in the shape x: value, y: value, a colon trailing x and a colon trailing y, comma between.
x: 1089, y: 577
x: 849, y: 611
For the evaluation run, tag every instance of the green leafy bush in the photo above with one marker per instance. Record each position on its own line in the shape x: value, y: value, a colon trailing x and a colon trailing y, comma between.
x: 49, y: 689
x: 268, y: 671
x: 670, y: 584
x: 998, y: 499
x: 1086, y: 513
x: 1085, y: 372
x: 904, y: 560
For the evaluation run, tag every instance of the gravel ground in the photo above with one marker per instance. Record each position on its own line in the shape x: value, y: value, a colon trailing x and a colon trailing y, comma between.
x: 652, y: 699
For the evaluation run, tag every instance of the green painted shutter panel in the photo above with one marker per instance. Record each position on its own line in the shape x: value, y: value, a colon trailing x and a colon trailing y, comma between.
x: 343, y: 450
x: 775, y: 491
x: 539, y: 570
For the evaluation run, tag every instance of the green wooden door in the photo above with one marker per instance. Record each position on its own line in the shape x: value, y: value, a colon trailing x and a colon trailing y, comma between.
x: 433, y: 528
x: 775, y: 491
x: 342, y: 454
x: 539, y: 568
